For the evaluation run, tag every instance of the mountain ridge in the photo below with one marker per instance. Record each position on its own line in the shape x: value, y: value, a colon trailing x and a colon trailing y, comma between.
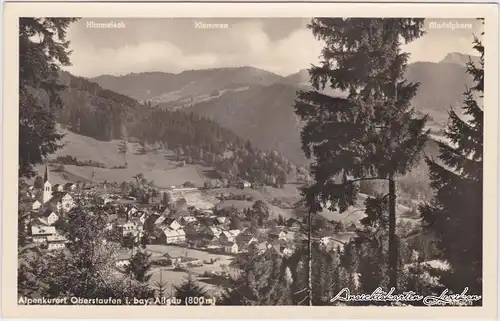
x: 242, y: 98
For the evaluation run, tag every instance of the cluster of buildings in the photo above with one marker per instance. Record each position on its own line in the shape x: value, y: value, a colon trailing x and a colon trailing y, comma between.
x: 160, y: 224
x: 196, y: 228
x: 46, y: 204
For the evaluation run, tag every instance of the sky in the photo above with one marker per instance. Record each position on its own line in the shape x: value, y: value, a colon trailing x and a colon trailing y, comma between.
x: 280, y: 45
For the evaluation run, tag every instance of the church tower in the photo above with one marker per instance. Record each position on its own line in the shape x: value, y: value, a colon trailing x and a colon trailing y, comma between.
x: 47, y: 187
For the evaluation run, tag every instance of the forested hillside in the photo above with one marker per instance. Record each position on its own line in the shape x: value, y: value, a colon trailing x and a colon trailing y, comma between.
x: 105, y: 115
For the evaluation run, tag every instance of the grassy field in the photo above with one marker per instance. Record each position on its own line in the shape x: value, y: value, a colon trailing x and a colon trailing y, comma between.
x: 240, y: 205
x: 155, y: 166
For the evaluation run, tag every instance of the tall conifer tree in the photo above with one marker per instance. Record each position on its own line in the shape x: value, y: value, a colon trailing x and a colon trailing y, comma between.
x: 456, y: 212
x: 43, y: 49
x: 373, y: 132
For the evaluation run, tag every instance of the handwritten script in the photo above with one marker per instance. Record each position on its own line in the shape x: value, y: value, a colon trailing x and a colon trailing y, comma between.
x: 379, y: 295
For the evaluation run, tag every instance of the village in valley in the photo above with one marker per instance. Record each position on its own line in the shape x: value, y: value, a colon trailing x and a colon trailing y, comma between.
x: 246, y: 186
x: 183, y: 232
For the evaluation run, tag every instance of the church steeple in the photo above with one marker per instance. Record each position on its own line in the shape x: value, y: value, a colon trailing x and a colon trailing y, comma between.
x: 46, y: 175
x: 47, y: 186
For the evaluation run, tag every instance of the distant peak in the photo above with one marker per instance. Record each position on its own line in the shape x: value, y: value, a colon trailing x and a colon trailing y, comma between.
x: 458, y: 58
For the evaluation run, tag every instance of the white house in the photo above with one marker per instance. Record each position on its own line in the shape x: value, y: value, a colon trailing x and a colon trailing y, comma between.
x: 231, y: 248
x: 213, y: 231
x: 259, y: 247
x: 67, y: 202
x: 132, y: 210
x: 57, y: 188
x: 278, y: 234
x: 226, y: 237
x: 121, y: 263
x: 244, y: 184
x: 170, y: 236
x: 69, y: 187
x: 40, y: 233
x: 56, y: 242
x: 36, y: 205
x: 126, y: 228
x: 181, y: 235
x: 244, y: 240
x: 325, y: 240
x: 49, y: 216
x: 175, y: 225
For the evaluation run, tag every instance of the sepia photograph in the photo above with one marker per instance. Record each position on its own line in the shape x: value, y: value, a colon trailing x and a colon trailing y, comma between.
x: 274, y: 161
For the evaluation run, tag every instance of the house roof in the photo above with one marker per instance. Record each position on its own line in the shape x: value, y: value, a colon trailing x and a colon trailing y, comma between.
x: 244, y: 238
x: 56, y: 238
x: 41, y: 230
x: 227, y: 244
x: 39, y: 221
x: 131, y: 207
x: 172, y: 233
x: 151, y: 219
x: 159, y: 220
x: 47, y: 213
x: 58, y: 196
x: 214, y: 242
x: 228, y: 234
x: 169, y: 232
x: 172, y: 221
x: 214, y: 230
x: 235, y: 232
x: 221, y: 219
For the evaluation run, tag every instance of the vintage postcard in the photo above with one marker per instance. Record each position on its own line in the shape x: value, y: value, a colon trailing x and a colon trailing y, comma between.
x: 205, y: 160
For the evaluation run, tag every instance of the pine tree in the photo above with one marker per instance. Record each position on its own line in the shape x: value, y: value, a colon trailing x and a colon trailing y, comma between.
x: 372, y: 133
x: 86, y: 269
x: 263, y: 281
x: 123, y: 149
x: 140, y: 266
x: 141, y: 148
x: 160, y: 286
x: 188, y: 290
x: 456, y: 213
x: 43, y: 49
